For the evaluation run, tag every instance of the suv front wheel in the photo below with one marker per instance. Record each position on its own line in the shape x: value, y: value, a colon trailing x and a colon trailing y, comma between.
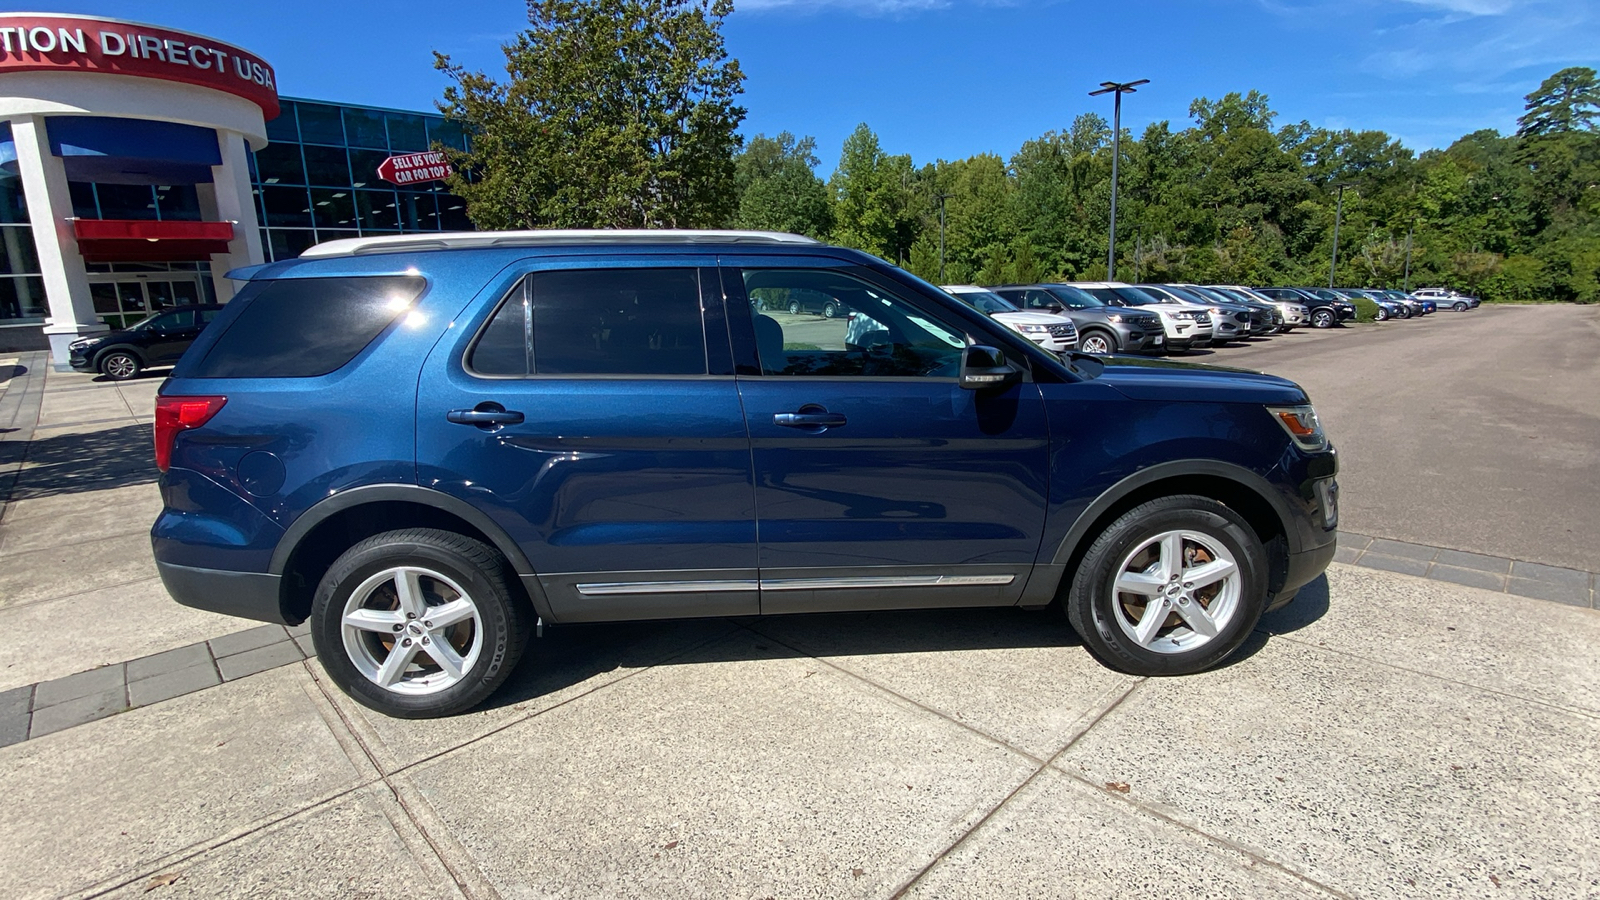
x: 1172, y: 587
x: 120, y: 365
x: 418, y: 623
x: 1097, y: 342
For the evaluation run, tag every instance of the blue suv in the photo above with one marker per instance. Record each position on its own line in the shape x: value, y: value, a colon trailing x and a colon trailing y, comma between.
x: 428, y: 447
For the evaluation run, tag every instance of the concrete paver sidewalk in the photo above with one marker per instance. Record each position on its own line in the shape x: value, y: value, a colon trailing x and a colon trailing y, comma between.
x: 77, y: 496
x: 1388, y: 737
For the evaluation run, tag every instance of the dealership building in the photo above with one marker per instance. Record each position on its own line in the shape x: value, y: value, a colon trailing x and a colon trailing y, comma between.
x: 139, y: 164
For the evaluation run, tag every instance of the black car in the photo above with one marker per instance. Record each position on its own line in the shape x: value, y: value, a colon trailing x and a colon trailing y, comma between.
x: 156, y: 340
x: 1327, y: 308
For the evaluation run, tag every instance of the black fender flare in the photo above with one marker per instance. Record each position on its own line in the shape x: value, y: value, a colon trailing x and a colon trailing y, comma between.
x: 1177, y: 468
x: 404, y: 493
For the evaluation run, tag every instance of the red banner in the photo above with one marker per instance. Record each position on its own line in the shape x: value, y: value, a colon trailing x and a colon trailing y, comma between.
x: 411, y: 168
x: 34, y: 43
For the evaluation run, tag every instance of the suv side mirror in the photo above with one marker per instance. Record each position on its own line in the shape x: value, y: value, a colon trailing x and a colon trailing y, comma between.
x: 986, y: 367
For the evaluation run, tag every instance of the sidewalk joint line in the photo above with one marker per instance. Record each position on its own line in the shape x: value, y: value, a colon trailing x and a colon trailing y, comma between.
x: 1047, y: 764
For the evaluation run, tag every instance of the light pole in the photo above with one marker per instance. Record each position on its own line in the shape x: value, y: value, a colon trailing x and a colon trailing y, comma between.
x: 1118, y: 88
x: 941, y: 198
x: 1338, y: 216
x: 1413, y: 227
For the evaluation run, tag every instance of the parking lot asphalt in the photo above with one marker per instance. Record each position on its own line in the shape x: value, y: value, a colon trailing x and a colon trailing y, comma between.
x: 1383, y: 736
x: 1476, y: 431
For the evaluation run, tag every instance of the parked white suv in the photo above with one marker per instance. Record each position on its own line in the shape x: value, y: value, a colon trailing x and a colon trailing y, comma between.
x: 1050, y: 331
x: 1185, y: 326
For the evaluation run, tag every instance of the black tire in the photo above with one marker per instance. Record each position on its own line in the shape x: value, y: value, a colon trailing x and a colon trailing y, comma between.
x: 483, y: 572
x: 1089, y: 602
x: 1383, y: 314
x: 794, y: 307
x: 1405, y: 312
x: 1324, y: 318
x: 120, y: 365
x: 1097, y: 341
x: 829, y: 310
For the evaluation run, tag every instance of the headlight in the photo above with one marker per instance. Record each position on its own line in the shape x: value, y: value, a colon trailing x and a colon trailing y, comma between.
x: 1302, y: 425
x: 81, y: 345
x: 1183, y: 315
x: 1114, y: 317
x: 1033, y: 329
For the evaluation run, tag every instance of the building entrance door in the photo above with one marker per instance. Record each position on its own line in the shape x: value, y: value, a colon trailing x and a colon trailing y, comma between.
x: 123, y: 299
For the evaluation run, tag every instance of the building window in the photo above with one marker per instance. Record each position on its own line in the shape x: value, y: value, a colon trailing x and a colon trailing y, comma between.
x: 336, y: 151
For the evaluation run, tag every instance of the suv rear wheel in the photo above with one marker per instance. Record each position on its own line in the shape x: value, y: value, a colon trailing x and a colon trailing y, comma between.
x: 1173, y: 586
x: 418, y: 623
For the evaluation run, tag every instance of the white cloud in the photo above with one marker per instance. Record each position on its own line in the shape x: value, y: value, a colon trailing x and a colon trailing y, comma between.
x: 1470, y: 7
x: 861, y: 7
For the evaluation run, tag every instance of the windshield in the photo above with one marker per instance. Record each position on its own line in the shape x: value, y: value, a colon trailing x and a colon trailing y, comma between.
x: 1325, y: 294
x: 986, y: 301
x: 1220, y: 295
x: 1187, y: 294
x: 1136, y: 297
x: 143, y: 323
x: 1074, y: 297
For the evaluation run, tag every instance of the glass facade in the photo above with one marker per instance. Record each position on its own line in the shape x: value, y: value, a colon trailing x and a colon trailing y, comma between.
x: 317, y: 180
x: 21, y: 284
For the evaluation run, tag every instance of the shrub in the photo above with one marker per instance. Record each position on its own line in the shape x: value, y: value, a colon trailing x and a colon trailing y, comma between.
x: 1366, y: 310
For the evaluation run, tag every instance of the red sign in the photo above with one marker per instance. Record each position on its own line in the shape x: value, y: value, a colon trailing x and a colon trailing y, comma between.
x: 412, y: 168
x: 34, y: 43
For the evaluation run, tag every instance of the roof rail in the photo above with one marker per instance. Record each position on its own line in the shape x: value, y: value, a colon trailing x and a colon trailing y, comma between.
x: 454, y: 240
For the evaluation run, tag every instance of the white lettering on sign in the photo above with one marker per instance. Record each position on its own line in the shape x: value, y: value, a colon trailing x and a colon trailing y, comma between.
x: 73, y: 42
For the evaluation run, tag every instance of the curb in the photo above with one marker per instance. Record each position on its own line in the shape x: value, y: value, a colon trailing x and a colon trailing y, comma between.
x: 1572, y: 587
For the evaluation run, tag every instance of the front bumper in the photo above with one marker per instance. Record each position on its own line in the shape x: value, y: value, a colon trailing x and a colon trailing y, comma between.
x: 248, y: 595
x: 80, y: 360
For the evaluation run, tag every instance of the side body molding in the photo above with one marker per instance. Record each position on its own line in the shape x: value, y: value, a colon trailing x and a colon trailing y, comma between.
x: 403, y: 493
x: 1161, y: 471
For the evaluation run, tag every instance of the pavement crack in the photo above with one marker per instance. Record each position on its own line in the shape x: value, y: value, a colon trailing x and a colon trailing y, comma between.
x: 1205, y: 835
x: 1034, y: 776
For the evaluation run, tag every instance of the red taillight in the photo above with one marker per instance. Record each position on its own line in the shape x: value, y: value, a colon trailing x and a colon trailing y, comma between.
x: 175, y: 414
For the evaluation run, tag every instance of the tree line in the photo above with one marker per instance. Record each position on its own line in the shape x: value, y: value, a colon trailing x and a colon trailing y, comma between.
x: 623, y: 113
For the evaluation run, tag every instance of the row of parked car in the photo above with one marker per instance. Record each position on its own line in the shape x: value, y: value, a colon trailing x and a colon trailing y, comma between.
x: 1113, y: 317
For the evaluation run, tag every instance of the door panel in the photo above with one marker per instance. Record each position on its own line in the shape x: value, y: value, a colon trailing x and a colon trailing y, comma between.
x: 925, y: 495
x: 631, y: 495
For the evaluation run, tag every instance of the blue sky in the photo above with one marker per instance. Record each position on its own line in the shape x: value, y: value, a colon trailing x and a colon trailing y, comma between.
x: 950, y: 78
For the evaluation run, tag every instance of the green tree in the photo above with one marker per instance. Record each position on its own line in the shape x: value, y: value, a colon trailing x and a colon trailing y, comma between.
x: 615, y: 114
x: 872, y: 198
x: 1569, y: 100
x: 778, y: 189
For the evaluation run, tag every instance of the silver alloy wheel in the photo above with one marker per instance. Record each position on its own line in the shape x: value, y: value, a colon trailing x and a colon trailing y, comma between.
x: 412, y: 630
x: 121, y: 365
x: 1322, y: 319
x: 1096, y: 343
x: 1383, y: 314
x: 1176, y: 591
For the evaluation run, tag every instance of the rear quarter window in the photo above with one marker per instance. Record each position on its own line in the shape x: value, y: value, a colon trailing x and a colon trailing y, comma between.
x: 304, y: 327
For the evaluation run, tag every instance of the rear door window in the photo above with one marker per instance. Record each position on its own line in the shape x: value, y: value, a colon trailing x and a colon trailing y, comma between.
x: 304, y: 327
x: 595, y: 322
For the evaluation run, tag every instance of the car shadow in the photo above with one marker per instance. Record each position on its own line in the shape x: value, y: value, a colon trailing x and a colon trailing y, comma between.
x: 569, y: 655
x: 143, y: 375
x: 91, y: 461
